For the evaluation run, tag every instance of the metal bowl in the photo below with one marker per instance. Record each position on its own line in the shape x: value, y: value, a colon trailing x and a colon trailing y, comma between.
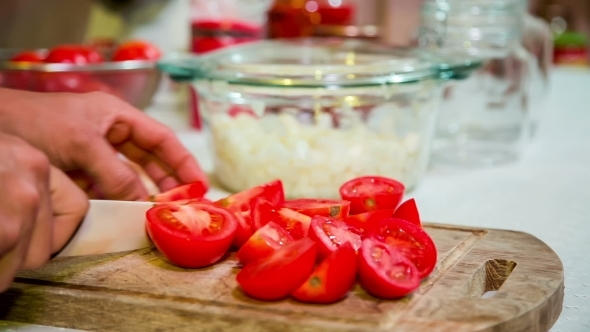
x: 133, y: 81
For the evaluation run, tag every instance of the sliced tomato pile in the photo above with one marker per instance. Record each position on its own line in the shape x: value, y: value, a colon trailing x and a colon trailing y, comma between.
x: 81, y: 81
x: 312, y: 250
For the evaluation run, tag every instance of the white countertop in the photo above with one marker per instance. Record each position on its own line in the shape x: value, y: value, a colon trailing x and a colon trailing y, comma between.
x: 543, y: 194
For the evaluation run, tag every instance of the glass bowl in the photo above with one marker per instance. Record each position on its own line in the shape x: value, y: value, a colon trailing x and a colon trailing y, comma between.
x: 134, y: 81
x: 316, y: 113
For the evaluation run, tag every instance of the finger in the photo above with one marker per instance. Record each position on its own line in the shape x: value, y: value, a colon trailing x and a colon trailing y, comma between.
x: 114, y: 178
x: 70, y: 205
x: 16, y: 227
x: 159, y: 172
x: 155, y: 138
x: 39, y: 249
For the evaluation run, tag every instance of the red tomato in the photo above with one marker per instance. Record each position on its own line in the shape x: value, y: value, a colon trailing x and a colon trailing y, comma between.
x: 409, y: 240
x: 384, y: 272
x: 330, y: 234
x: 274, y: 277
x: 27, y: 56
x: 332, y: 279
x: 408, y: 211
x: 297, y: 224
x: 191, y: 235
x: 264, y: 242
x: 188, y: 191
x: 74, y: 54
x: 136, y: 50
x: 241, y: 204
x: 364, y: 222
x: 319, y: 207
x: 370, y: 193
x: 236, y: 110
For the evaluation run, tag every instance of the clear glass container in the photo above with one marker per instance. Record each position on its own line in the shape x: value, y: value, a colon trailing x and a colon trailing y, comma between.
x: 485, y: 119
x: 316, y: 113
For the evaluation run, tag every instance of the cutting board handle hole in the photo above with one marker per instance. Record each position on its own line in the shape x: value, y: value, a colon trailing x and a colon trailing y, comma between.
x: 488, y: 279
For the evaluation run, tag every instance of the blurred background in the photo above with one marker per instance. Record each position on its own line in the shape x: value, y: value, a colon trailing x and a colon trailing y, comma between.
x: 177, y: 25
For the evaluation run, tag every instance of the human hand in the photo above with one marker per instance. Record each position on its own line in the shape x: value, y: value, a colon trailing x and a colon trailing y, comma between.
x: 81, y: 134
x: 39, y: 210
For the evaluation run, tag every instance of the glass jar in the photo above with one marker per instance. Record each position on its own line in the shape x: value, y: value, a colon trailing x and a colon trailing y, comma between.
x: 485, y: 119
x: 298, y: 18
x: 316, y: 113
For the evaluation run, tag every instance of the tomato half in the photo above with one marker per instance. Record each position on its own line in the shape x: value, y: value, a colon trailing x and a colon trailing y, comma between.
x: 191, y: 235
x: 264, y: 242
x: 136, y: 50
x: 319, y: 207
x: 364, y: 222
x: 188, y: 191
x: 297, y: 224
x: 384, y: 272
x: 330, y: 234
x: 332, y: 279
x: 408, y: 211
x: 410, y: 240
x: 274, y: 277
x: 241, y: 204
x: 27, y: 56
x: 370, y: 193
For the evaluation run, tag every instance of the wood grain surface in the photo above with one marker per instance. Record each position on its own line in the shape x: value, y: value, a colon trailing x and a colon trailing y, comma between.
x: 485, y: 280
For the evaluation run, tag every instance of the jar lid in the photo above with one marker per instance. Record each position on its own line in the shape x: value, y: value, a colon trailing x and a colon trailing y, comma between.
x: 316, y: 62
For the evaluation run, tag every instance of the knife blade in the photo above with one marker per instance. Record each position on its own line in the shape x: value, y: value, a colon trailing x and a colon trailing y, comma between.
x: 108, y: 227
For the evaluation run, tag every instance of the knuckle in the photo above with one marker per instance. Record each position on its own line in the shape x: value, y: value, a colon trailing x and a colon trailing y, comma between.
x: 28, y: 195
x: 123, y: 185
x: 9, y: 236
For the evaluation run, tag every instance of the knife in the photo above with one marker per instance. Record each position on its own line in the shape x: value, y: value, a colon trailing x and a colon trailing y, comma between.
x: 115, y: 226
x: 110, y: 226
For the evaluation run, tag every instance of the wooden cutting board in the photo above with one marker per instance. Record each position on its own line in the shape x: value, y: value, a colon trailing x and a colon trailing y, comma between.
x: 140, y: 291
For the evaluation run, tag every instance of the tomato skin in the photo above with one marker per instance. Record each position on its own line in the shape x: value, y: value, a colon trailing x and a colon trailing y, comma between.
x: 274, y: 277
x: 331, y: 234
x: 332, y: 279
x: 27, y: 56
x: 408, y: 211
x: 136, y: 50
x: 375, y: 276
x: 409, y: 240
x: 295, y: 223
x: 196, y: 189
x: 322, y: 207
x: 74, y: 54
x: 365, y: 222
x: 264, y: 242
x: 371, y: 193
x: 241, y: 205
x: 181, y: 243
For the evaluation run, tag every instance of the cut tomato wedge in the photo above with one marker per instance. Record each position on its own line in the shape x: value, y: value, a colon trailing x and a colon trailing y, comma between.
x: 384, y: 272
x: 330, y: 234
x: 274, y: 277
x: 371, y: 193
x: 364, y: 222
x: 332, y: 279
x: 408, y: 211
x: 264, y: 242
x: 409, y: 240
x: 185, y: 192
x: 319, y: 207
x: 191, y: 235
x: 241, y: 204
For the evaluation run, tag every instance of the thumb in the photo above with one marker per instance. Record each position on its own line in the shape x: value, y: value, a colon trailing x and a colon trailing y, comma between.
x: 69, y: 203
